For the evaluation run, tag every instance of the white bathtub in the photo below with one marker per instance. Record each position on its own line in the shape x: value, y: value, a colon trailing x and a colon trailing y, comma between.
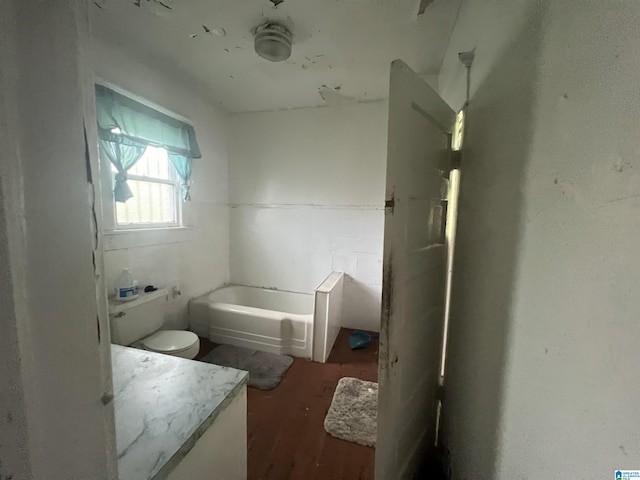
x: 257, y: 318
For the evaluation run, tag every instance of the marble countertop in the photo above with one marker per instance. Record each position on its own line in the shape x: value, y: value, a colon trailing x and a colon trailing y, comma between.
x: 163, y: 404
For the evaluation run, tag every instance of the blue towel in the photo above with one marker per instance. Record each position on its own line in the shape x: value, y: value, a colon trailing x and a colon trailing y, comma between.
x: 359, y: 339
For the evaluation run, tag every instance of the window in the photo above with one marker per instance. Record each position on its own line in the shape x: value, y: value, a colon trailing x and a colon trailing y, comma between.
x: 155, y: 186
x: 458, y: 132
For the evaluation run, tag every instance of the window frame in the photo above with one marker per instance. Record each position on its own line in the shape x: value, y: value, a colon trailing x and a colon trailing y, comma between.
x: 119, y: 238
x: 174, y: 181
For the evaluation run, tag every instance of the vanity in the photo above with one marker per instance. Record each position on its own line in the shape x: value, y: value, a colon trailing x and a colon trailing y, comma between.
x: 178, y: 419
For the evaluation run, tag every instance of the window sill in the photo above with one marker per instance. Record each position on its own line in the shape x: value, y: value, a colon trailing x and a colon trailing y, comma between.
x: 145, y: 237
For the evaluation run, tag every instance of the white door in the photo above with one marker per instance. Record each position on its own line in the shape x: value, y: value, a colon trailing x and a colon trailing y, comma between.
x: 413, y: 297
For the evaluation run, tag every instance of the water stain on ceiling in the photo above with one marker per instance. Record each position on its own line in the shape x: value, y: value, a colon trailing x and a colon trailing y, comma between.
x: 346, y: 43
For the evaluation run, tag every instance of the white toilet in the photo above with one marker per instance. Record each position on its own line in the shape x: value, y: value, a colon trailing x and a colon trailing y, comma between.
x: 137, y: 324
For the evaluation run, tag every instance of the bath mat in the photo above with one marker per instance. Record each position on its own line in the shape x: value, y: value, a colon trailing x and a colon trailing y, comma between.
x: 353, y: 412
x: 265, y: 369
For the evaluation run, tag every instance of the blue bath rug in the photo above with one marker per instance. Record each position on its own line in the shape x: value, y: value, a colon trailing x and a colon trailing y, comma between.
x: 266, y: 370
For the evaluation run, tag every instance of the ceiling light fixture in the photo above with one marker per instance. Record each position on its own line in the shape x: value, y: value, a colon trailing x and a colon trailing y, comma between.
x: 273, y: 41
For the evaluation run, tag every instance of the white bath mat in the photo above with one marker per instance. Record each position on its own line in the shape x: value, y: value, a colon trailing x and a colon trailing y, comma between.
x: 353, y: 412
x: 266, y: 370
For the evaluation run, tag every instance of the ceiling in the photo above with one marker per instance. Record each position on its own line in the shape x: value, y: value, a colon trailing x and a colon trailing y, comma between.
x: 341, y: 48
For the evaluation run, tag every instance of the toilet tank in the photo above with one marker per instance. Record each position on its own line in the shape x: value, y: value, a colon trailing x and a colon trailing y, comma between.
x: 130, y: 321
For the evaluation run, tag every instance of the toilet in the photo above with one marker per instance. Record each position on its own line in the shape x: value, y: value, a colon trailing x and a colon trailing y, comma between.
x: 137, y: 324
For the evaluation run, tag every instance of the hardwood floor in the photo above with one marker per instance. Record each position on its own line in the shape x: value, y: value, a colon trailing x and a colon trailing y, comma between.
x: 286, y: 437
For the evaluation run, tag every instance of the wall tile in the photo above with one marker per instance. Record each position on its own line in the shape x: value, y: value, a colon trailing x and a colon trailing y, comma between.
x: 307, y: 192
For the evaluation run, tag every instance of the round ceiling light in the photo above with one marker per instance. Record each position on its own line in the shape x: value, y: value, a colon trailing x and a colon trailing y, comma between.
x: 273, y: 42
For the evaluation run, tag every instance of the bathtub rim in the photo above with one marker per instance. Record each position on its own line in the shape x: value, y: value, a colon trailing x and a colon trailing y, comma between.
x: 229, y: 307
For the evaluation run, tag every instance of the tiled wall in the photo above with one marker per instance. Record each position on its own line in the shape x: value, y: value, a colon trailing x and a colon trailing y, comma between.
x: 307, y: 198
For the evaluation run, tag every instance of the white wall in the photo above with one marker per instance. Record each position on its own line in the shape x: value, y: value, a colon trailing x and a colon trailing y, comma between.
x: 307, y: 198
x: 55, y: 376
x: 542, y: 378
x: 327, y: 315
x: 197, y: 259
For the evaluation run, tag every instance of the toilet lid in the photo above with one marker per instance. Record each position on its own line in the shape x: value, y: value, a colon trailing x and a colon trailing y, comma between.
x: 170, y: 341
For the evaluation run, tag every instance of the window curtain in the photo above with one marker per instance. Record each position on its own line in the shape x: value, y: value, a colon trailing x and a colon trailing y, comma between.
x: 125, y: 129
x: 182, y: 165
x: 123, y: 157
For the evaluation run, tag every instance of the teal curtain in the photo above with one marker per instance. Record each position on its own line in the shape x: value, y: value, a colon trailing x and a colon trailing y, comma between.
x: 126, y: 127
x: 182, y: 165
x: 123, y: 157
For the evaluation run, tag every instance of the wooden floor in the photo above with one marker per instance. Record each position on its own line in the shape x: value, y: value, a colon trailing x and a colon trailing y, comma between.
x: 287, y: 440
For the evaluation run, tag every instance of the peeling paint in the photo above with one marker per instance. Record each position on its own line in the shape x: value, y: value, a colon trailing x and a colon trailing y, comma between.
x: 220, y: 32
x: 333, y: 96
x: 387, y: 296
x: 106, y: 398
x: 87, y: 157
x: 423, y: 6
x: 94, y: 216
x: 390, y: 205
x: 138, y: 3
x: 370, y: 21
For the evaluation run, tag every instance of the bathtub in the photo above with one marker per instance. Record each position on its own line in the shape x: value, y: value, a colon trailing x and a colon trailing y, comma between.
x: 258, y: 318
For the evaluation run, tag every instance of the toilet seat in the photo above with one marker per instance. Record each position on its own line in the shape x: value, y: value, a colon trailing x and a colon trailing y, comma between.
x: 173, y: 342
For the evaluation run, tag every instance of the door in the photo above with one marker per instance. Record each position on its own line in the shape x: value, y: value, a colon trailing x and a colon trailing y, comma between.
x: 414, y: 279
